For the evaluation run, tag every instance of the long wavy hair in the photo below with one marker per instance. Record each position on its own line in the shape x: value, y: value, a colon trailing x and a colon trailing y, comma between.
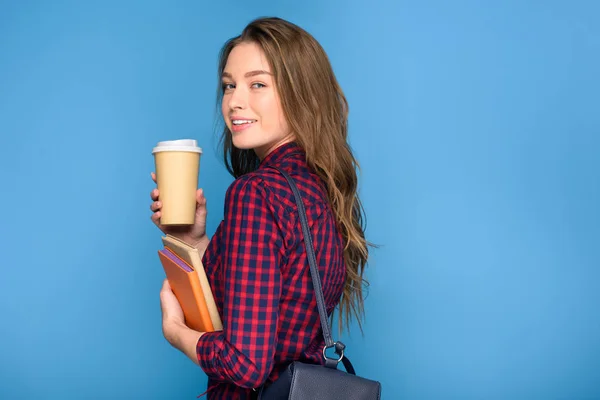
x: 316, y: 111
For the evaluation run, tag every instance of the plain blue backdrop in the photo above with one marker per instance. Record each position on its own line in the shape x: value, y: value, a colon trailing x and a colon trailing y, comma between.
x: 477, y: 127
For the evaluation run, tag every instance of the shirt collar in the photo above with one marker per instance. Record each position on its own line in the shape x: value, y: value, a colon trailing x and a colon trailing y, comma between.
x: 280, y: 153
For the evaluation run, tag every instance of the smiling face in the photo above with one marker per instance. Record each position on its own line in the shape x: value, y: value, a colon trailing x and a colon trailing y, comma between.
x: 251, y: 106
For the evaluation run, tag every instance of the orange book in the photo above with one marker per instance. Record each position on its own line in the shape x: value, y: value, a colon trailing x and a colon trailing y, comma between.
x: 186, y: 286
x: 190, y: 255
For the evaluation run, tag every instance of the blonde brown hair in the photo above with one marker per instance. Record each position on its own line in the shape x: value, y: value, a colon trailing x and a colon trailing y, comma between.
x: 317, y: 113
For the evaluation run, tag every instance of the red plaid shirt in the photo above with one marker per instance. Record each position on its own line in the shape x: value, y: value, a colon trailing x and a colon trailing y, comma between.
x: 257, y: 267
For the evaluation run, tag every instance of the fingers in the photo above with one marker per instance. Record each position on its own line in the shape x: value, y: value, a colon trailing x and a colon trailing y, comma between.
x: 155, y: 206
x: 156, y: 218
x: 154, y: 194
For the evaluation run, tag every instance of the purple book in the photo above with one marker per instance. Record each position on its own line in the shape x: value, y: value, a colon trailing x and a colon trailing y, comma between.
x: 182, y: 264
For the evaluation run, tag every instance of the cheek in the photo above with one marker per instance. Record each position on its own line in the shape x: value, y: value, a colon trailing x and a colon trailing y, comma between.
x: 283, y: 125
x: 279, y: 121
x: 271, y: 113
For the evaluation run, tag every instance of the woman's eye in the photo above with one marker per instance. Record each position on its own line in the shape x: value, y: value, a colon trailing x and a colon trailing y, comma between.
x: 228, y: 86
x: 257, y: 85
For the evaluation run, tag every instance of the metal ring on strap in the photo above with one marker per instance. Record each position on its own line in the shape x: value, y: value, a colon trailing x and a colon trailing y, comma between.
x: 328, y: 358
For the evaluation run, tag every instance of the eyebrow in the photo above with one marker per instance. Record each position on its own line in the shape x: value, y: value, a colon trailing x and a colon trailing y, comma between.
x: 248, y: 74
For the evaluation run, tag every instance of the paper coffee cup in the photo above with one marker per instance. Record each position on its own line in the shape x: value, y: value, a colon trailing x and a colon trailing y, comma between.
x: 177, y: 164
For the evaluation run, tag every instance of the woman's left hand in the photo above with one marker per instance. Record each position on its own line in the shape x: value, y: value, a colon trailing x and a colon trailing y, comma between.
x: 173, y: 324
x: 172, y: 314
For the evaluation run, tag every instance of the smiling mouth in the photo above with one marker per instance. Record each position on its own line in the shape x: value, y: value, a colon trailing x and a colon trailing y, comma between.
x: 238, y: 122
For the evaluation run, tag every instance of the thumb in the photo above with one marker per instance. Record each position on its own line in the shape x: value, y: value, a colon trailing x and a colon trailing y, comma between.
x: 200, y: 199
x: 164, y: 290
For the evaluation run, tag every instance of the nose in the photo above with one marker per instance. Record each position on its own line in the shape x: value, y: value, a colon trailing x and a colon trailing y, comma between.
x: 238, y: 99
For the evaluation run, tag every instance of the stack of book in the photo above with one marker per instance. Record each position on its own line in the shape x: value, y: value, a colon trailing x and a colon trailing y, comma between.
x: 186, y: 275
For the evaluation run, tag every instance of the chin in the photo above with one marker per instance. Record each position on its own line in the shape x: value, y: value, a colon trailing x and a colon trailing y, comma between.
x: 240, y: 143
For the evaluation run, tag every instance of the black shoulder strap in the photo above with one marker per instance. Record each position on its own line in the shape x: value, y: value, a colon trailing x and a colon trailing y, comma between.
x: 316, y: 279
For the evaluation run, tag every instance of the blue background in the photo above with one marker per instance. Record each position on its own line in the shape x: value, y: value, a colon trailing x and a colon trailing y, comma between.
x: 477, y: 128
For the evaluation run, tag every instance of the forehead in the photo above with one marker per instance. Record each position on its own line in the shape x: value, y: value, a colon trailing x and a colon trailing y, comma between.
x: 246, y: 57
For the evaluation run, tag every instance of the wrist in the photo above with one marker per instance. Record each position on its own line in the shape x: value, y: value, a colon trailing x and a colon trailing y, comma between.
x: 202, y: 244
x: 172, y: 332
x: 202, y: 241
x: 184, y: 339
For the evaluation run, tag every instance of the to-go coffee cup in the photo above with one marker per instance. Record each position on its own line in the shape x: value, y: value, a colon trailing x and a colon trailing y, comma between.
x: 177, y: 164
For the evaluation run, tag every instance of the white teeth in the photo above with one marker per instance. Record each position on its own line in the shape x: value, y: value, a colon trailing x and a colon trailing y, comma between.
x: 242, y: 121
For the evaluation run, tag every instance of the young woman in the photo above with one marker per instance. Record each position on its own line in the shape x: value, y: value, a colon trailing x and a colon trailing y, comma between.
x: 282, y: 106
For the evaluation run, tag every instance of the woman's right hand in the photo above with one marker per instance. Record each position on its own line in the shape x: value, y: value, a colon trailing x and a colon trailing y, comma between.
x: 191, y: 234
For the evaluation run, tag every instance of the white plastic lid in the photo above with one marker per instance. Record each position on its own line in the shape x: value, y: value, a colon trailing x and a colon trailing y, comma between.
x: 178, y: 145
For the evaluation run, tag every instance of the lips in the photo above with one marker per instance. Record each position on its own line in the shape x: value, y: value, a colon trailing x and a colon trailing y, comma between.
x: 239, y: 124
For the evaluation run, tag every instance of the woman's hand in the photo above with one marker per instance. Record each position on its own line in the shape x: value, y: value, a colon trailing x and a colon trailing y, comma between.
x: 172, y: 314
x: 192, y: 234
x: 173, y: 324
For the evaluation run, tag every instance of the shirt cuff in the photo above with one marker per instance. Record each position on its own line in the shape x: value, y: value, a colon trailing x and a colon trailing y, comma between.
x: 208, y: 348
